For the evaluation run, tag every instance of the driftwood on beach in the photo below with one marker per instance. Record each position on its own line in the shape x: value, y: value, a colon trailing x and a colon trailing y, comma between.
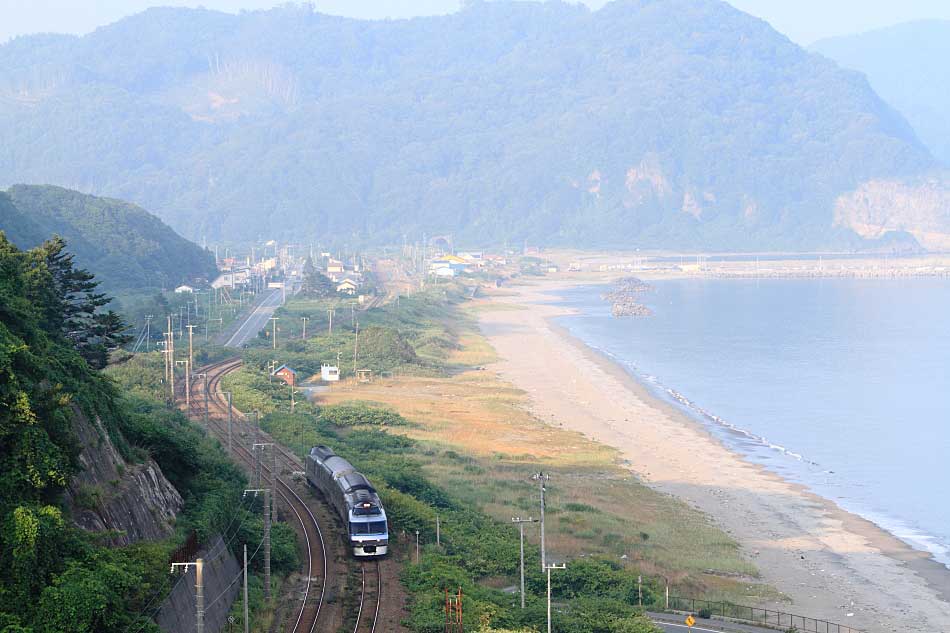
x: 625, y: 298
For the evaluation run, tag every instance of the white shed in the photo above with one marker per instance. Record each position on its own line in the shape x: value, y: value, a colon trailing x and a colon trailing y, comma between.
x: 329, y: 373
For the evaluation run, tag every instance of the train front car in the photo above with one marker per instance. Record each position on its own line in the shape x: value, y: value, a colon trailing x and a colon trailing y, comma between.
x: 354, y: 499
x: 369, y: 532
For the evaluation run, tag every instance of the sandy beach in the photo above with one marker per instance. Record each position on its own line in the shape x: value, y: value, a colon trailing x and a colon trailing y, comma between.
x: 830, y: 564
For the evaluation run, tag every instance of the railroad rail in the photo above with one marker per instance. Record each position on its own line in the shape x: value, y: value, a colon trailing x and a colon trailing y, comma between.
x: 308, y: 615
x: 367, y: 617
x: 370, y: 589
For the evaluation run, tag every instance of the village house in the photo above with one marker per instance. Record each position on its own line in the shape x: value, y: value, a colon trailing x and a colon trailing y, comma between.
x: 285, y: 373
x: 184, y: 289
x: 347, y: 287
x: 329, y: 373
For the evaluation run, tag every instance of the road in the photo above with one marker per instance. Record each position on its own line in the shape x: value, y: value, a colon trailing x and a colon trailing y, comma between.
x: 674, y: 624
x: 256, y: 320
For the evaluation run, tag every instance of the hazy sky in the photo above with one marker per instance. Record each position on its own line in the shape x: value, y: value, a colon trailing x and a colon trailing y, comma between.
x: 802, y: 20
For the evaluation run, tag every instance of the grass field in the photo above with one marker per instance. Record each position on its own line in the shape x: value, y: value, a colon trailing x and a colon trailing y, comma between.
x: 483, y: 445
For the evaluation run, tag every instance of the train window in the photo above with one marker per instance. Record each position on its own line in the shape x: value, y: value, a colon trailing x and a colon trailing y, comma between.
x: 372, y: 527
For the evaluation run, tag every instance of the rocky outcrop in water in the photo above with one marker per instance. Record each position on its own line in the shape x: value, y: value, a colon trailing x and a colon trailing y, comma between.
x: 130, y: 501
x: 625, y: 298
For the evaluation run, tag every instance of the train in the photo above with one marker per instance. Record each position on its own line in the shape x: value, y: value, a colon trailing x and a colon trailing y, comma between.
x: 353, y: 498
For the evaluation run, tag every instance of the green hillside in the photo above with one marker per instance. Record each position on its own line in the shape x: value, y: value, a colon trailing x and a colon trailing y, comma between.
x: 125, y: 246
x: 677, y: 123
x: 907, y: 65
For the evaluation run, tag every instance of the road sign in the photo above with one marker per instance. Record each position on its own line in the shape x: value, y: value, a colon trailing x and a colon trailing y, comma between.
x: 690, y: 621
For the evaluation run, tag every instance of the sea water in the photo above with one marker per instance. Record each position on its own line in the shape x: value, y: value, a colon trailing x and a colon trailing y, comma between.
x: 842, y: 385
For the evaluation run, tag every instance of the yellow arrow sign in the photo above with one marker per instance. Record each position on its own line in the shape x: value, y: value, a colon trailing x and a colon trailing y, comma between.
x: 690, y: 621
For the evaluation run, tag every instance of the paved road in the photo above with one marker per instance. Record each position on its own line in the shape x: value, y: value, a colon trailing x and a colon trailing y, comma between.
x: 256, y: 320
x: 674, y: 624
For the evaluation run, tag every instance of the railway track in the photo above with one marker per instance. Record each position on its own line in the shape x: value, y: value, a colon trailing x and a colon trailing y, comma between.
x: 371, y: 596
x: 314, y: 591
x: 368, y: 613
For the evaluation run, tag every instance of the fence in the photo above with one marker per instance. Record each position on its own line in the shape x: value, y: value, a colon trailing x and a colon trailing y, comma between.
x: 758, y: 616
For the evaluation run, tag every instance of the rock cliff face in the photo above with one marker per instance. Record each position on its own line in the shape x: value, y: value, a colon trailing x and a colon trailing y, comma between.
x: 920, y: 208
x: 133, y: 502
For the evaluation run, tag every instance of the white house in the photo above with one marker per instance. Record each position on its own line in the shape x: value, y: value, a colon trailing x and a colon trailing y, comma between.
x: 329, y: 373
x: 183, y: 289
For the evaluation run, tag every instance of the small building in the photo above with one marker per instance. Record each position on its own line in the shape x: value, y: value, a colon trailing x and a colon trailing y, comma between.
x: 334, y: 266
x: 347, y: 287
x: 329, y: 373
x: 444, y: 271
x: 552, y: 268
x: 183, y: 289
x: 285, y: 373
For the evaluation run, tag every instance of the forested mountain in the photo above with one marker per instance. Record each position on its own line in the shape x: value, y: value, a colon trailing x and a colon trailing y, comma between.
x: 907, y: 65
x: 125, y: 246
x: 646, y: 123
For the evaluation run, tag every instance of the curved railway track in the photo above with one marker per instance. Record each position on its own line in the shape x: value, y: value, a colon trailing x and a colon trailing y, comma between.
x: 367, y: 618
x: 308, y: 615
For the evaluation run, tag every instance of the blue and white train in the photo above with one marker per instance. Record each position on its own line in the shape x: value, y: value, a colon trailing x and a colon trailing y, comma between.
x: 353, y: 498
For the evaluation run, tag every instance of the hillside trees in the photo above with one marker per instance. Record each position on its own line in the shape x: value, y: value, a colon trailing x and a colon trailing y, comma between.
x: 682, y: 123
x: 54, y: 577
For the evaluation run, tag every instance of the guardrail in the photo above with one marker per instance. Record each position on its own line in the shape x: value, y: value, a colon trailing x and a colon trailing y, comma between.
x: 758, y: 616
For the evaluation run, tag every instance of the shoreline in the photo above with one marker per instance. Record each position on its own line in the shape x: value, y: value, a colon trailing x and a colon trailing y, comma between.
x: 829, y: 562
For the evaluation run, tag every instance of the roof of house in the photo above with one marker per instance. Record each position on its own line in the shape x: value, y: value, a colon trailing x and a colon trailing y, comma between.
x: 282, y: 367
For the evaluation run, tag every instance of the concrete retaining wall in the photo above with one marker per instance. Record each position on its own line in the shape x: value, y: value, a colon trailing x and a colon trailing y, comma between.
x: 177, y: 613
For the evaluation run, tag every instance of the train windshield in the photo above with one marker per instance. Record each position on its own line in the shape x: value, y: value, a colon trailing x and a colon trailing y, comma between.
x: 372, y: 527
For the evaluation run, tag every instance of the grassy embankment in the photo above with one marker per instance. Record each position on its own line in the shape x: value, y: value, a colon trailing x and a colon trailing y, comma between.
x: 460, y: 443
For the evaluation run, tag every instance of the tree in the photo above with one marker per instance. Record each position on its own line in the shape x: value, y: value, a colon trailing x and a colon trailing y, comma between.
x: 70, y: 304
x: 316, y: 284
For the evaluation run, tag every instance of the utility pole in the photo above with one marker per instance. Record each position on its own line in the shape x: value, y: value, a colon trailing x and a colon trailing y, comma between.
x: 356, y: 348
x: 204, y: 376
x: 228, y: 394
x: 541, y: 478
x: 438, y: 531
x: 304, y: 319
x: 187, y: 365
x: 267, y: 517
x: 191, y: 350
x: 199, y: 591
x: 256, y: 448
x: 330, y: 313
x: 274, y: 320
x: 246, y: 624
x: 417, y: 547
x: 148, y: 330
x: 170, y: 348
x: 292, y: 401
x: 520, y: 523
x: 549, y: 568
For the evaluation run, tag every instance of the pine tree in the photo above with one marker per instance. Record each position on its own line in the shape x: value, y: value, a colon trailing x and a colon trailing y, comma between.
x: 70, y: 304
